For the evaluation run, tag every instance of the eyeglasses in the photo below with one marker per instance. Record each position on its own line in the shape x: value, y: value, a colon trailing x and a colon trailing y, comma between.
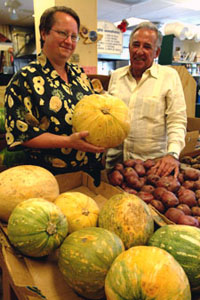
x: 64, y: 35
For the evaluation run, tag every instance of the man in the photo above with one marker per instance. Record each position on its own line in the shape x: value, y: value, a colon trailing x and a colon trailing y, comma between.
x: 155, y: 97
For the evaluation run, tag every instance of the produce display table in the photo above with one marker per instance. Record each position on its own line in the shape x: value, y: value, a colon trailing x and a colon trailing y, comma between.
x: 31, y: 279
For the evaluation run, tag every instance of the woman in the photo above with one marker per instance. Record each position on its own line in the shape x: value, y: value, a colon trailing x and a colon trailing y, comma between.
x: 41, y: 97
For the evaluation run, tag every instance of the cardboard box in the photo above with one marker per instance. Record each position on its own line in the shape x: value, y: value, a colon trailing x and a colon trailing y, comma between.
x: 193, y: 133
x: 40, y: 278
x: 33, y: 279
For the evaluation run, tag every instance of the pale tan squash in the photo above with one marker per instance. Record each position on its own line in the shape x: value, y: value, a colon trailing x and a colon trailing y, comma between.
x: 107, y: 119
x: 80, y: 210
x: 23, y: 182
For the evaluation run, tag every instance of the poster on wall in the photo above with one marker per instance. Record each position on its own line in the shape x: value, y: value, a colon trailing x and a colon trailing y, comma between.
x: 112, y: 40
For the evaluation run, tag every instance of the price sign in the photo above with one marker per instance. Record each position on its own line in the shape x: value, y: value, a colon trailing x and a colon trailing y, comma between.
x: 112, y: 40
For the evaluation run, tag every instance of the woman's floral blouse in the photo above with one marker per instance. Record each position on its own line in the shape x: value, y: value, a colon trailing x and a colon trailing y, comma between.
x: 37, y: 100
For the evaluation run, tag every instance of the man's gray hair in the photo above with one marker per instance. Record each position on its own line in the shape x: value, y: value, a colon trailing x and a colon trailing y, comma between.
x: 151, y: 26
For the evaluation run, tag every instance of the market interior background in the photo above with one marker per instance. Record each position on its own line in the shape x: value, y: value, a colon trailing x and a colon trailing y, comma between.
x: 21, y: 13
x: 161, y: 12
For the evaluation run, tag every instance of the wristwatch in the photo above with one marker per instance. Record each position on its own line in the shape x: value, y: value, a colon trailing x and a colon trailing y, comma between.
x: 174, y: 154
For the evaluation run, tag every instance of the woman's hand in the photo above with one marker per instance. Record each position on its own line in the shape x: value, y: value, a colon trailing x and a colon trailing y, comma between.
x: 166, y: 165
x: 76, y: 141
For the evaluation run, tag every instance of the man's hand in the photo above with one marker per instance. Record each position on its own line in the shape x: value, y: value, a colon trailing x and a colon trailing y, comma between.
x: 166, y: 165
x: 76, y: 141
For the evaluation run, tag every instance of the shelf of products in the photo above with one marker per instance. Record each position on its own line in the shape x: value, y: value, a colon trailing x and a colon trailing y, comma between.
x: 192, y: 67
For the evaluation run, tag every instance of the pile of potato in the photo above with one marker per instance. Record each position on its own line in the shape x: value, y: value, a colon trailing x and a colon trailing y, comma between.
x: 178, y: 199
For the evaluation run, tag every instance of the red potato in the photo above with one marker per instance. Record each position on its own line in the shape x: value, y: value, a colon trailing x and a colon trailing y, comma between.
x: 169, y: 199
x: 129, y: 171
x: 142, y: 181
x: 163, y: 182
x: 158, y: 205
x: 181, y: 190
x: 139, y: 168
x: 119, y: 167
x: 129, y: 163
x: 139, y: 161
x: 195, y: 211
x: 169, y: 182
x: 158, y: 192
x: 152, y: 179
x: 149, y: 163
x: 185, y: 208
x: 189, y: 184
x: 134, y: 182
x: 197, y: 194
x: 174, y: 186
x: 146, y: 197
x: 188, y: 197
x: 148, y: 188
x: 191, y: 174
x: 173, y: 214
x: 188, y: 220
x: 115, y: 178
x: 197, y: 185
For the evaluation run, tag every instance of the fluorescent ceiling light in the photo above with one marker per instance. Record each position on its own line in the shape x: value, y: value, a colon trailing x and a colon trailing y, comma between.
x: 132, y: 21
x: 131, y: 2
x: 191, y: 4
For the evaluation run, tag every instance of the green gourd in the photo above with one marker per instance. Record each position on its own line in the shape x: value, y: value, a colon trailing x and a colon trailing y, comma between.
x: 36, y: 227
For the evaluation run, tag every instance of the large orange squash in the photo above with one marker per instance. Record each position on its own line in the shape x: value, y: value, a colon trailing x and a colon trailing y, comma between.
x: 105, y: 117
x: 146, y: 273
x: 23, y: 182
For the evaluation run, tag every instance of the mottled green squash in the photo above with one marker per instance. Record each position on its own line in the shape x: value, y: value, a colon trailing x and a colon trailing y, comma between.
x: 146, y: 273
x: 129, y: 217
x: 36, y: 227
x: 85, y: 257
x: 183, y: 242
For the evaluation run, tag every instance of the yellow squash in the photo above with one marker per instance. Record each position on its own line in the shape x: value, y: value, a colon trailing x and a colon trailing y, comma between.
x: 23, y: 182
x: 80, y: 210
x: 106, y: 118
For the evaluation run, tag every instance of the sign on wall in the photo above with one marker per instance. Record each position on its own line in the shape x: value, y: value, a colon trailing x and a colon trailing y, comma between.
x: 112, y: 40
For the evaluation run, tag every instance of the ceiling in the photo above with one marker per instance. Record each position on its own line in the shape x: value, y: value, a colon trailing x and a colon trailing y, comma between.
x: 159, y: 11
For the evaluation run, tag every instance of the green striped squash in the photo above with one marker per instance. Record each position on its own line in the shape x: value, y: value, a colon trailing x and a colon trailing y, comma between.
x: 85, y: 257
x: 129, y: 217
x: 146, y: 273
x: 36, y: 227
x: 183, y: 242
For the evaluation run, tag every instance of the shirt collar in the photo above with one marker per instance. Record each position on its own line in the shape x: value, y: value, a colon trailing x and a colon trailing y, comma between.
x: 153, y: 71
x: 47, y: 66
